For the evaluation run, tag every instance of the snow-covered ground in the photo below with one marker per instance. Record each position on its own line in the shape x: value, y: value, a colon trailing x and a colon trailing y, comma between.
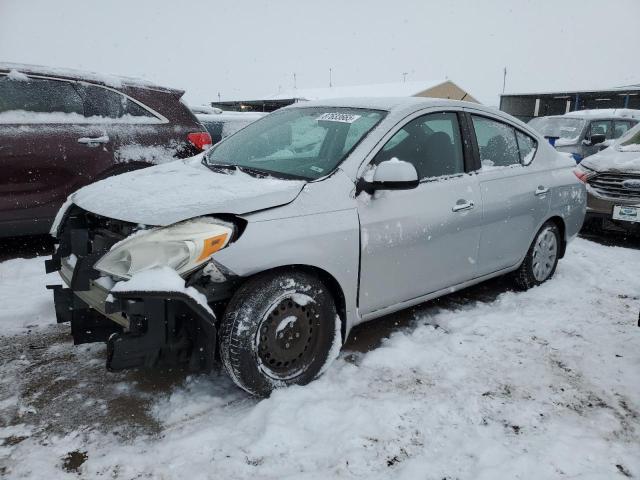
x: 485, y: 384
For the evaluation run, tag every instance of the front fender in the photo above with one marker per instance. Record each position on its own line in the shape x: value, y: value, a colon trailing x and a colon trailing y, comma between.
x: 327, y: 241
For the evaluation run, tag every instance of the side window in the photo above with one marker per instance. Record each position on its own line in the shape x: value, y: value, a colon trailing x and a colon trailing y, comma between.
x: 102, y: 102
x: 527, y: 147
x: 497, y: 142
x: 24, y: 94
x: 432, y: 143
x: 620, y: 128
x: 601, y: 126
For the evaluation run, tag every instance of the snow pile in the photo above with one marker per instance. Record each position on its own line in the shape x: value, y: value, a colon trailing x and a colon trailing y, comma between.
x: 17, y: 76
x: 25, y: 303
x: 156, y: 154
x: 161, y: 279
x: 541, y: 384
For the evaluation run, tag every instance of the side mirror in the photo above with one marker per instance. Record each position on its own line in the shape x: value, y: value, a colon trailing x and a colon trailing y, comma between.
x: 391, y: 174
x: 597, y: 138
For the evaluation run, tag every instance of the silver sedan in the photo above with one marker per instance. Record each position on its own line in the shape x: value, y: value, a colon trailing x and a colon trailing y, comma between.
x: 270, y: 247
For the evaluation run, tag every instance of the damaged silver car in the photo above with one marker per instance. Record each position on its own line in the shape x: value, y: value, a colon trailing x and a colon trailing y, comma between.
x: 266, y: 250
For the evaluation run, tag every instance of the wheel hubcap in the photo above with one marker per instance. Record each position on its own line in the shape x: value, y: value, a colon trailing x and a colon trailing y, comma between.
x: 285, y: 335
x: 545, y: 253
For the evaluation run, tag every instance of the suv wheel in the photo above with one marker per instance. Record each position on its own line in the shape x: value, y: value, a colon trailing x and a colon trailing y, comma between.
x: 278, y: 330
x: 541, y: 260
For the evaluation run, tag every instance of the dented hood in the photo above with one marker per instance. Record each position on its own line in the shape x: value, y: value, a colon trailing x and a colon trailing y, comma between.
x: 180, y: 190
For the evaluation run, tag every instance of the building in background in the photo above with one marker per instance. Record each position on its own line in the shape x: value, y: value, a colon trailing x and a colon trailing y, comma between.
x: 437, y: 89
x: 526, y: 106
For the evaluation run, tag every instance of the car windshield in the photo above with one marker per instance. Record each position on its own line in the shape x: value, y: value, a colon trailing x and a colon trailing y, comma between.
x: 565, y: 128
x: 630, y: 142
x: 305, y: 143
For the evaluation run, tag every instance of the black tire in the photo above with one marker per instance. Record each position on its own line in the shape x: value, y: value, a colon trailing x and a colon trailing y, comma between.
x: 529, y: 275
x: 278, y: 330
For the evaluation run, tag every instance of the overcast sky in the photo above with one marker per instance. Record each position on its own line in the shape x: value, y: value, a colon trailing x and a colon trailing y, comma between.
x: 249, y: 48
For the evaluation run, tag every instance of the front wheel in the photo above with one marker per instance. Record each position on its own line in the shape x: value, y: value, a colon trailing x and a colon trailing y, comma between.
x: 541, y: 260
x: 278, y: 330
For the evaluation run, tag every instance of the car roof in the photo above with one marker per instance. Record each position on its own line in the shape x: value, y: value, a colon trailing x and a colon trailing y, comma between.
x: 108, y: 80
x: 395, y: 105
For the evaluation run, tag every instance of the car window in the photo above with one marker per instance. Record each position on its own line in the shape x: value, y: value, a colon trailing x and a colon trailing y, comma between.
x: 356, y: 130
x: 304, y: 142
x: 566, y: 128
x: 631, y: 140
x: 496, y: 142
x: 526, y: 146
x: 22, y: 94
x: 620, y: 128
x: 432, y: 143
x: 102, y: 102
x: 601, y: 127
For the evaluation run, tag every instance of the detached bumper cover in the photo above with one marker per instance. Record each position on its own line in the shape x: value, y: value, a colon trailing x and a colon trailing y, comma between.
x: 165, y: 328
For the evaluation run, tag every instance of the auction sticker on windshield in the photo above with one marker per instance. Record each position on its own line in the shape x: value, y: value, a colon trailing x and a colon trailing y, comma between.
x: 338, y: 117
x: 627, y: 213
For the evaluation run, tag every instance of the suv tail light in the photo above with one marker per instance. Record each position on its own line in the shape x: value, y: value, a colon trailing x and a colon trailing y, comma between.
x: 200, y: 140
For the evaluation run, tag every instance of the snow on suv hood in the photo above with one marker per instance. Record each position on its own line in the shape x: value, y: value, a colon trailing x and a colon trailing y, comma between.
x: 180, y: 190
x: 612, y: 159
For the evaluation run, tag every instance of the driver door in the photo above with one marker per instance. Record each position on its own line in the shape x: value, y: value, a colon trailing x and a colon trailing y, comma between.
x: 418, y: 241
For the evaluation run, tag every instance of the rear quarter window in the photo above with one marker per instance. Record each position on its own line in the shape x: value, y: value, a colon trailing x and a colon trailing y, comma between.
x: 102, y: 102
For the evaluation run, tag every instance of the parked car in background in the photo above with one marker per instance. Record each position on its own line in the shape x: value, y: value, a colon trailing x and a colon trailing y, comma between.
x: 271, y: 246
x: 586, y: 132
x: 613, y: 185
x: 222, y: 124
x: 63, y: 129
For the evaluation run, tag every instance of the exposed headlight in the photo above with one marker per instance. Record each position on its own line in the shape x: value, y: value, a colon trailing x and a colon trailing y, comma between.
x: 183, y: 247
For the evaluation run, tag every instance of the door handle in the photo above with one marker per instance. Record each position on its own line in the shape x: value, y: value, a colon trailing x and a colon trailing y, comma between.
x: 93, y: 141
x: 541, y: 190
x: 463, y: 205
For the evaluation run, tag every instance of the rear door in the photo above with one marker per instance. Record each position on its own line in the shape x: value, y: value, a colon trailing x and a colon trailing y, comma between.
x: 415, y: 242
x: 136, y: 133
x: 514, y: 190
x: 47, y: 150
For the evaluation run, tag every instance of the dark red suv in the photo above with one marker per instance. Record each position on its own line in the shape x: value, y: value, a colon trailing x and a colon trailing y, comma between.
x: 60, y: 130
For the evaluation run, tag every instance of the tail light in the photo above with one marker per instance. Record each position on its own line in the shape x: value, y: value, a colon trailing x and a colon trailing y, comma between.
x: 200, y: 140
x: 582, y: 175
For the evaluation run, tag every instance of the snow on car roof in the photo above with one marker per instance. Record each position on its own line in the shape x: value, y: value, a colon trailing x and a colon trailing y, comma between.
x: 605, y: 112
x: 224, y: 115
x: 397, y: 105
x: 110, y: 80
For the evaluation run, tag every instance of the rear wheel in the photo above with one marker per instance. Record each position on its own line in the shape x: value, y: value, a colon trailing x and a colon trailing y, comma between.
x: 542, y: 258
x: 278, y: 330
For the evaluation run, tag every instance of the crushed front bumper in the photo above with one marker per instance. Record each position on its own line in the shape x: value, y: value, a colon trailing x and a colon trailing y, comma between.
x: 141, y: 328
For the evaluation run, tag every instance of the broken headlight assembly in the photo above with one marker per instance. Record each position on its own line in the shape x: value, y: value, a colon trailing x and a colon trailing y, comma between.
x: 183, y: 247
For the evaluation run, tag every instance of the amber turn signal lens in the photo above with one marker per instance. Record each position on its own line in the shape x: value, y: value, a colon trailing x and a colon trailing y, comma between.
x: 212, y: 245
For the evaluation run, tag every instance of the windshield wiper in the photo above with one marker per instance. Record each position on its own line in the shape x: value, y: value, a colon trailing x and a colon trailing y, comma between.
x: 257, y: 172
x: 231, y: 166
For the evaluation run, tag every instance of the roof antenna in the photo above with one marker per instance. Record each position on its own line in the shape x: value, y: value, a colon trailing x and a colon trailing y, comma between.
x: 294, y: 81
x: 404, y: 76
x: 330, y: 83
